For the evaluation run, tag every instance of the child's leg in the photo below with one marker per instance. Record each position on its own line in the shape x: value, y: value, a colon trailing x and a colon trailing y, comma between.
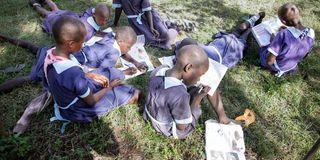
x: 135, y: 97
x: 13, y: 83
x: 21, y: 43
x: 35, y: 106
x: 252, y: 21
x: 52, y: 5
x: 40, y: 10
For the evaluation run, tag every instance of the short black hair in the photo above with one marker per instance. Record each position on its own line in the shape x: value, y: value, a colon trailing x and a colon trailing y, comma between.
x: 126, y: 33
x: 187, y: 41
x: 68, y: 28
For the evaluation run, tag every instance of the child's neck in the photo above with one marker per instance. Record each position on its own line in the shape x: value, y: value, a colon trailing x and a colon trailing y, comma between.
x: 60, y: 51
x: 299, y: 26
x: 174, y: 73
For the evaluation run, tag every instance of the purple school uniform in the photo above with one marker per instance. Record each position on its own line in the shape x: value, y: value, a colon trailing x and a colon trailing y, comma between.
x: 86, y: 18
x: 69, y: 85
x: 289, y: 46
x: 37, y: 68
x: 226, y: 49
x: 168, y: 104
x: 91, y: 26
x: 134, y: 9
x: 53, y: 16
x: 102, y: 54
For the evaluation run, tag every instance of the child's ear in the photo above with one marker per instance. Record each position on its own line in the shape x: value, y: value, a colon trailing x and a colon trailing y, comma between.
x: 187, y: 67
x: 71, y: 44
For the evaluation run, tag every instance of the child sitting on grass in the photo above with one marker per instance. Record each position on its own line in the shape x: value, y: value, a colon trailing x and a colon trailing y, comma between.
x: 145, y: 20
x: 107, y: 51
x: 93, y: 18
x: 78, y: 96
x: 172, y: 110
x: 102, y: 54
x: 37, y: 73
x: 290, y: 45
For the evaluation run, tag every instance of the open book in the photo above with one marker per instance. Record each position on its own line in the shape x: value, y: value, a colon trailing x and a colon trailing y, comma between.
x: 224, y: 141
x: 264, y: 31
x: 139, y: 53
x: 211, y: 78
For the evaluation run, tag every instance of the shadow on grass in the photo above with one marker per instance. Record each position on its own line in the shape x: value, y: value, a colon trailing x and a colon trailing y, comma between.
x: 80, y: 141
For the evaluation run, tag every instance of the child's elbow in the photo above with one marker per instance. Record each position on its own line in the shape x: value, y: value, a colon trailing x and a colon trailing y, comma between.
x: 270, y: 62
x: 181, y: 127
x: 90, y: 100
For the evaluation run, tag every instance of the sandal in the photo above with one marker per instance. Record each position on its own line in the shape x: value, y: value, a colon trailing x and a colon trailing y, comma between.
x: 248, y: 117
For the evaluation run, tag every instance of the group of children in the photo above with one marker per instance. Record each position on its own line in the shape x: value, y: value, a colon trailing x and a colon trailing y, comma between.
x: 84, y: 83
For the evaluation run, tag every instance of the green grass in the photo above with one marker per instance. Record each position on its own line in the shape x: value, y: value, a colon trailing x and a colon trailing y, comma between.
x: 287, y: 108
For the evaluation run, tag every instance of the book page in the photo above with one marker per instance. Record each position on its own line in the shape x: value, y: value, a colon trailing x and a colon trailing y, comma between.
x: 167, y: 61
x: 261, y: 34
x: 213, y: 76
x: 224, y: 141
x: 264, y: 30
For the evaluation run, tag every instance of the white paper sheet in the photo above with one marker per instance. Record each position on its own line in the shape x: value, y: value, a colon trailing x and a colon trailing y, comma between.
x: 224, y: 142
x: 263, y: 31
x: 211, y: 78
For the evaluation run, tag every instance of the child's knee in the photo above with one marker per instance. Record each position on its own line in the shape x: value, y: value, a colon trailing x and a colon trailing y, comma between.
x: 135, y: 97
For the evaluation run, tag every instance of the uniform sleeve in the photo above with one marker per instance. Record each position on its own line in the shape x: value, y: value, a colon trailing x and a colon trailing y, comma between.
x: 81, y: 86
x: 181, y: 111
x: 145, y: 5
x: 276, y: 44
x: 116, y: 4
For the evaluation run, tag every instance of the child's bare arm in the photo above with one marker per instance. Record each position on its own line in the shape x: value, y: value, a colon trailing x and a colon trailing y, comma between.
x: 271, y: 59
x: 150, y: 22
x: 139, y: 65
x: 195, y: 103
x: 217, y: 106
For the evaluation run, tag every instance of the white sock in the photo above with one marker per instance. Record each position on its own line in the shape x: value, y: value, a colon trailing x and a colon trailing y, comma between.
x: 252, y: 20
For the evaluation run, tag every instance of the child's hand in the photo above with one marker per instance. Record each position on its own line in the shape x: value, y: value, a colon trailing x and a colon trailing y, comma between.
x: 130, y: 71
x: 203, y: 91
x: 115, y: 83
x: 104, y: 81
x: 141, y: 66
x: 155, y: 32
x: 100, y: 34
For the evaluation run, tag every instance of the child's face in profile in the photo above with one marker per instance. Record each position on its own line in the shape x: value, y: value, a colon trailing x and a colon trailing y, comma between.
x: 194, y: 75
x: 101, y: 19
x: 125, y: 47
